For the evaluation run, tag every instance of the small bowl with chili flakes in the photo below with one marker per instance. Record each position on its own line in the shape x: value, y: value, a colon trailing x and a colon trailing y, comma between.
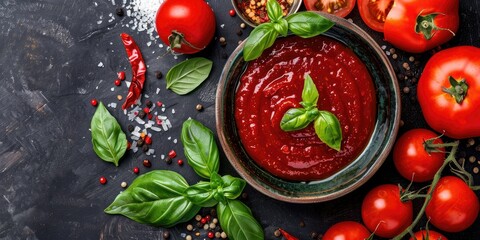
x: 354, y: 81
x: 254, y: 12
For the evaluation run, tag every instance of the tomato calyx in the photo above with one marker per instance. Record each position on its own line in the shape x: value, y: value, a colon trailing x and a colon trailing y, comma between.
x: 177, y: 39
x: 458, y: 89
x: 426, y: 26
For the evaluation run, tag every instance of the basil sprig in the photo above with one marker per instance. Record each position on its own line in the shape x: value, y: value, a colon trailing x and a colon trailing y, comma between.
x: 326, y: 125
x: 188, y: 75
x: 164, y: 198
x: 303, y: 24
x: 108, y: 140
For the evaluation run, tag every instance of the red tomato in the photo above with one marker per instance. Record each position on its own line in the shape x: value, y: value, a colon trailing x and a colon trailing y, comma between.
x: 384, y: 213
x: 187, y: 26
x: 432, y: 235
x: 374, y: 13
x: 446, y: 108
x: 347, y: 230
x: 340, y: 8
x: 417, y: 26
x: 454, y: 206
x: 411, y: 155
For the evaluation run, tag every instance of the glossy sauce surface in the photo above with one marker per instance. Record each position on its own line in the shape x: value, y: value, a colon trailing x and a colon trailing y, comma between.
x: 273, y: 83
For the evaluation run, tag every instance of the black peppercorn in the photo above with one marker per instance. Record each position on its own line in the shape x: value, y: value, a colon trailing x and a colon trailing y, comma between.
x: 168, y: 160
x: 141, y: 114
x: 239, y: 32
x: 224, y: 55
x: 130, y: 128
x: 119, y: 11
x: 147, y: 163
x: 313, y: 235
x: 149, y: 103
x: 145, y: 148
x: 140, y: 142
x: 158, y: 74
x: 166, y: 235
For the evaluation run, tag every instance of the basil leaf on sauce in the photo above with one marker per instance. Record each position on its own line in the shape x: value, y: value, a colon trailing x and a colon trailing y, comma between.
x: 309, y: 94
x: 261, y: 38
x: 297, y: 118
x: 327, y: 127
x: 200, y: 148
x: 155, y: 198
x: 188, y: 75
x: 108, y: 140
x: 202, y: 194
x: 237, y: 221
x: 308, y: 24
x: 274, y: 10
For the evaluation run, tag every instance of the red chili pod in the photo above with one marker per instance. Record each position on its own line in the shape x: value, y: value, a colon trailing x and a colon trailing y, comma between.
x: 138, y: 70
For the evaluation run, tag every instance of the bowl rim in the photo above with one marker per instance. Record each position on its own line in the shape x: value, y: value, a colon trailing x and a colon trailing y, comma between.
x: 294, y: 8
x: 368, y: 172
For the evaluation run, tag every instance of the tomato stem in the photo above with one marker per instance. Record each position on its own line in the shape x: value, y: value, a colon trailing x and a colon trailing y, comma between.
x: 426, y: 26
x: 458, y: 89
x: 450, y: 158
x: 176, y: 39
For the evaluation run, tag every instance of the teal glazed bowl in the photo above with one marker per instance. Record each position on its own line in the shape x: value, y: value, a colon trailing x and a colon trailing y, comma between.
x: 355, y: 173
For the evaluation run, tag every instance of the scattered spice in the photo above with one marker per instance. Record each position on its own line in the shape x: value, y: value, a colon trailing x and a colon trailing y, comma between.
x: 141, y: 114
x: 255, y: 10
x: 121, y: 75
x: 210, y: 235
x: 147, y: 163
x: 172, y: 154
x: 149, y: 103
x: 232, y: 13
x: 180, y: 162
x: 199, y: 107
x: 476, y: 170
x: 123, y: 184
x: 158, y: 74
x: 94, y: 102
x: 472, y: 159
x: 411, y: 59
x: 313, y: 235
x: 301, y: 224
x: 198, y: 217
x: 223, y: 235
x: 130, y: 128
x: 117, y: 82
x: 119, y: 97
x: 239, y: 32
x: 223, y: 41
x: 190, y: 227
x: 406, y: 90
x: 244, y: 195
x: 103, y: 180
x: 243, y: 25
x: 470, y: 142
x: 168, y: 160
x: 119, y: 11
x: 136, y: 170
x: 148, y: 140
x: 145, y: 148
x: 140, y: 142
x: 277, y: 233
x: 166, y: 234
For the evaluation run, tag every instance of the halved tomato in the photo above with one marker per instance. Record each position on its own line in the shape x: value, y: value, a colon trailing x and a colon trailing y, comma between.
x: 340, y: 8
x: 374, y: 12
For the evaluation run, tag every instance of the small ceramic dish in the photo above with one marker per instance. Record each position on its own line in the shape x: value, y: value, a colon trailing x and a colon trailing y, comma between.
x: 354, y: 174
x: 241, y: 12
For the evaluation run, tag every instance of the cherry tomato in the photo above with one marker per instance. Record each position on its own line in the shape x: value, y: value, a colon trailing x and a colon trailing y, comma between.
x: 447, y: 92
x: 374, y: 12
x: 454, y: 206
x: 414, y: 158
x: 430, y: 235
x: 187, y: 26
x: 417, y: 26
x: 384, y: 213
x: 340, y: 8
x: 347, y: 230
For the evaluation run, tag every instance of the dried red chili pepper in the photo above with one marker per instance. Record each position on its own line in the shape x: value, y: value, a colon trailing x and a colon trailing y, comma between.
x: 138, y: 70
x: 287, y: 235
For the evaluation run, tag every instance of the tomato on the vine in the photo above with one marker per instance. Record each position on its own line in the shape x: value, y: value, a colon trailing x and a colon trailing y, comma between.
x: 346, y: 230
x: 415, y: 158
x: 374, y: 13
x: 448, y: 92
x: 187, y: 26
x: 340, y: 8
x: 428, y: 235
x: 454, y: 206
x: 417, y: 26
x: 384, y: 213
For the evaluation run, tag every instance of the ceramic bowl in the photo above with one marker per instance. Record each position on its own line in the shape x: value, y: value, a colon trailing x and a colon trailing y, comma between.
x: 235, y: 3
x: 354, y: 174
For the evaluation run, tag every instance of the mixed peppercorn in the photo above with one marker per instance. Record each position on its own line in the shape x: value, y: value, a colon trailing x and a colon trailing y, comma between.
x: 256, y: 10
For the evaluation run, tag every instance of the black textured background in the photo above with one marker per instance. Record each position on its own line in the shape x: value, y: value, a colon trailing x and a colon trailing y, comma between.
x: 50, y: 51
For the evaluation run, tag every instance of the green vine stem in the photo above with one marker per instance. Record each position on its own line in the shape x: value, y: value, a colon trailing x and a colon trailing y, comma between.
x: 428, y: 196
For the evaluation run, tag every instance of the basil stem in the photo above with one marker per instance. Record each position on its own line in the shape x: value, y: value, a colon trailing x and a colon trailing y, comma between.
x: 200, y: 148
x: 188, y: 75
x: 297, y: 118
x: 274, y: 10
x: 309, y: 94
x: 108, y: 140
x: 155, y: 198
x: 327, y: 127
x: 202, y: 194
x: 237, y: 221
x: 261, y: 38
x: 308, y: 24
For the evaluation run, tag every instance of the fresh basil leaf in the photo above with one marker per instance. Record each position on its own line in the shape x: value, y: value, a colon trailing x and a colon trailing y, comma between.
x: 281, y: 26
x: 261, y: 38
x: 308, y: 24
x: 232, y: 186
x: 155, y: 198
x: 309, y: 94
x: 202, y: 194
x: 108, y: 140
x: 297, y: 118
x: 237, y: 221
x: 274, y: 10
x: 200, y: 148
x: 188, y: 75
x: 327, y: 127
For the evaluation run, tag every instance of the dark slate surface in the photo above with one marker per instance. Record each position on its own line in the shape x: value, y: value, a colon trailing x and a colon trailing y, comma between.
x: 49, y: 56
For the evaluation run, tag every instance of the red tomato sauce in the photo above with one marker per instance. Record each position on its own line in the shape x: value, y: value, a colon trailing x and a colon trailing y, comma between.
x: 273, y: 83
